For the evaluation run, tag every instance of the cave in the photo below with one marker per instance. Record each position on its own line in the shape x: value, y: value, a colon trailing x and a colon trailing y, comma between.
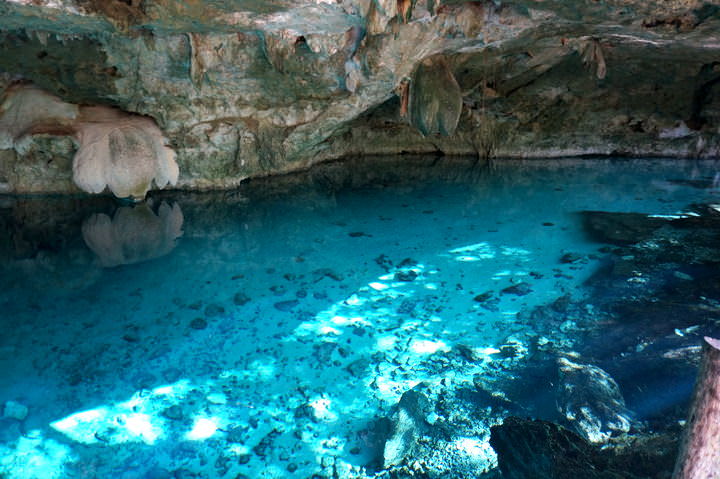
x: 359, y: 239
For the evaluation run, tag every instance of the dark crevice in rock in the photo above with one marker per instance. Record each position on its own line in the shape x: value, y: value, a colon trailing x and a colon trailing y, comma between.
x: 707, y: 79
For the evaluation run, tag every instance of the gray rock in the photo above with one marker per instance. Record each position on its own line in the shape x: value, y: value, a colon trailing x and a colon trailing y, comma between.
x: 408, y: 426
x: 591, y: 401
x: 287, y: 306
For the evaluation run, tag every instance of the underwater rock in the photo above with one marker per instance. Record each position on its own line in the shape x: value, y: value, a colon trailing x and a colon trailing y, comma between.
x: 537, y: 449
x: 237, y: 434
x: 15, y: 410
x: 198, y: 323
x: 408, y: 425
x: 384, y: 262
x: 591, y: 401
x: 263, y: 448
x: 620, y: 228
x: 406, y: 276
x: 240, y: 299
x: 572, y: 258
x: 213, y: 310
x: 286, y: 306
x: 483, y: 297
x: 134, y: 234
x: 520, y: 289
x: 174, y: 412
x: 528, y: 449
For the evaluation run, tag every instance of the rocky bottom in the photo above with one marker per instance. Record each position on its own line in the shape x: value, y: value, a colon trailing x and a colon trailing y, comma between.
x: 373, y: 319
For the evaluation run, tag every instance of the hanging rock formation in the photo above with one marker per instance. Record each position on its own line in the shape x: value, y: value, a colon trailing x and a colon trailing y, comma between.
x: 123, y: 152
x: 247, y: 88
x: 126, y: 153
x: 435, y: 101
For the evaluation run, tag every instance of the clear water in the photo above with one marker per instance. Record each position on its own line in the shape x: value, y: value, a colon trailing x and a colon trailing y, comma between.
x: 261, y: 332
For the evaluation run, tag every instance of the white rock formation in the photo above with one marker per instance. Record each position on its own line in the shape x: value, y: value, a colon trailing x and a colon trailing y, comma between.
x: 26, y: 109
x: 126, y: 153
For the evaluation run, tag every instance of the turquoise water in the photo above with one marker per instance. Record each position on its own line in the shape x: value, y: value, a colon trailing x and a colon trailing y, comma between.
x: 264, y: 332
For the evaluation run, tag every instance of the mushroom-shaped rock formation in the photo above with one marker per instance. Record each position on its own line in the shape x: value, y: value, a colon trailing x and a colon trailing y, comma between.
x: 121, y: 151
x: 124, y: 152
x: 134, y: 234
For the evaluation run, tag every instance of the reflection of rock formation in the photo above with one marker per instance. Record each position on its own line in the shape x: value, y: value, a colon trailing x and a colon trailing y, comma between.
x: 134, y: 234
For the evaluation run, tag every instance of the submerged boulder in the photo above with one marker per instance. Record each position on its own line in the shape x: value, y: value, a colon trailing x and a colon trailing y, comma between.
x: 535, y: 449
x: 408, y: 425
x: 591, y: 400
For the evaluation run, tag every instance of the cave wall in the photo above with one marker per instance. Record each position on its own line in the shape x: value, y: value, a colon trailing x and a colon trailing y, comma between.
x: 244, y: 89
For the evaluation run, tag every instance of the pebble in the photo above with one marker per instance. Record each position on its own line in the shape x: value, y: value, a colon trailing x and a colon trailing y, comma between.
x: 520, y: 289
x: 173, y: 412
x: 571, y: 258
x: 198, y: 323
x: 481, y: 298
x: 241, y: 299
x: 406, y: 276
x: 286, y: 306
x: 212, y: 310
x: 216, y: 398
x: 237, y: 435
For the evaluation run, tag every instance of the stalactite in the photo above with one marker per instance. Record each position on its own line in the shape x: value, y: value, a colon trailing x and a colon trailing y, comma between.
x: 403, y: 91
x: 593, y: 56
x: 435, y: 99
x: 197, y: 69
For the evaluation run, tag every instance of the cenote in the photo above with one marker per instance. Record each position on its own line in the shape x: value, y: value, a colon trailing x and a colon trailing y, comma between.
x: 378, y: 317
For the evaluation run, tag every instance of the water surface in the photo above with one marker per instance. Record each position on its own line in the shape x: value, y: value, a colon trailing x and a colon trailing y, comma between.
x: 266, y: 331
